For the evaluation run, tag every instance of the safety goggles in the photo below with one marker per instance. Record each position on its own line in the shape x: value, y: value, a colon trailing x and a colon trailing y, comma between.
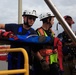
x: 32, y: 18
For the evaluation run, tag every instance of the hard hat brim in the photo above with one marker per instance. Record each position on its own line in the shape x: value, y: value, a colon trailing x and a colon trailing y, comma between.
x: 30, y: 15
x: 46, y: 17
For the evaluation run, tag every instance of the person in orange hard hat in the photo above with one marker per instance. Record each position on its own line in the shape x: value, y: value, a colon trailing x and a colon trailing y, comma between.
x: 69, y: 49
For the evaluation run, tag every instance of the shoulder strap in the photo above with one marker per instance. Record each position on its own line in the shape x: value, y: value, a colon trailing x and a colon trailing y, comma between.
x: 40, y: 31
x: 53, y: 34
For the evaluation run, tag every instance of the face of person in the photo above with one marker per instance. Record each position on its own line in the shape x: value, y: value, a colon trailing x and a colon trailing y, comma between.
x: 69, y: 21
x: 29, y: 19
x: 52, y: 21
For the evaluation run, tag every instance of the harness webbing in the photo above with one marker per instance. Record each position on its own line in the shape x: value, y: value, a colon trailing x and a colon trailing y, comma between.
x: 42, y: 32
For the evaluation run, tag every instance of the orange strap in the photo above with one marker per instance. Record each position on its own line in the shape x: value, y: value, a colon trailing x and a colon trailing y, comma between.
x: 46, y: 52
x: 41, y: 31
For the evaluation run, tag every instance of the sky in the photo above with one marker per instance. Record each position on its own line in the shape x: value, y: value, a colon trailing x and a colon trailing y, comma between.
x: 9, y: 10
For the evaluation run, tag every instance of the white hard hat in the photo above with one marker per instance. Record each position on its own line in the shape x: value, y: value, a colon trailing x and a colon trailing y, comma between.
x: 46, y: 15
x: 30, y: 13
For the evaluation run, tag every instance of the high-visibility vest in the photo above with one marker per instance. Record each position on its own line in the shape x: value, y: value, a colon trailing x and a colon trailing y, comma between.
x: 57, y: 45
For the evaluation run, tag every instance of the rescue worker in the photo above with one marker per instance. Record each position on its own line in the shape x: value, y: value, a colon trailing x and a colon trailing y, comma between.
x: 69, y: 50
x: 17, y: 60
x: 46, y: 61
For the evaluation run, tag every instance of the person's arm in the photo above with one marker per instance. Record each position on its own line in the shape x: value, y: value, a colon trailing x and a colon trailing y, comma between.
x: 2, y: 26
x: 39, y: 56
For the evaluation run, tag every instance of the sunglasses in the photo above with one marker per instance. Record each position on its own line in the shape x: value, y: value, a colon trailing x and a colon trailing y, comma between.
x: 32, y: 18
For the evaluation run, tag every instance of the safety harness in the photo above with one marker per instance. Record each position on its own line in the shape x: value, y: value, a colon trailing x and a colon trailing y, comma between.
x: 53, y: 55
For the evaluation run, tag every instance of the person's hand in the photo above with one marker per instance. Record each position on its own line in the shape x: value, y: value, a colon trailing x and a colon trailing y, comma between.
x: 45, y: 65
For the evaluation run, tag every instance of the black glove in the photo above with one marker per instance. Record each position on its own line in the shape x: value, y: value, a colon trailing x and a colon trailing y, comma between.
x: 45, y: 66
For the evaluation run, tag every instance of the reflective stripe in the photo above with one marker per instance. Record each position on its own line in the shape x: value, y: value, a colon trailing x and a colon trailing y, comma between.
x: 45, y: 33
x: 41, y: 34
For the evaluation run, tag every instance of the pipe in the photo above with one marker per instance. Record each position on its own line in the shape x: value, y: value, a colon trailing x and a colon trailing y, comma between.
x: 19, y: 11
x: 61, y: 20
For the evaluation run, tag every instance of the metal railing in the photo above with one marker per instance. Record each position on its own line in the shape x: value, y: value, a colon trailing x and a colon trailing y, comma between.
x: 26, y: 63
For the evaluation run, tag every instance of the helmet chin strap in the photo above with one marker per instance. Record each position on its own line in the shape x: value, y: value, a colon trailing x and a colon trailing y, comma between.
x: 26, y: 23
x: 49, y: 24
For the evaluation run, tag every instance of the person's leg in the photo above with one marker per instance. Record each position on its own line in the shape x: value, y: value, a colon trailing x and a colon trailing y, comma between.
x: 54, y: 70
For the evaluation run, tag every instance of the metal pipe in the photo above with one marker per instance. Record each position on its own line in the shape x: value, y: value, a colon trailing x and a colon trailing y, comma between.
x: 61, y: 20
x: 19, y: 11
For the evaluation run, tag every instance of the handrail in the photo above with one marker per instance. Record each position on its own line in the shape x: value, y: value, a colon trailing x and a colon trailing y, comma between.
x: 26, y: 66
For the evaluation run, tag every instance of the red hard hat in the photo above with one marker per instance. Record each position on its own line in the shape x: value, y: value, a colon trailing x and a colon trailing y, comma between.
x: 67, y: 17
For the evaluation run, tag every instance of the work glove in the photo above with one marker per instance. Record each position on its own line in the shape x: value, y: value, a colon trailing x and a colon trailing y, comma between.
x: 45, y: 66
